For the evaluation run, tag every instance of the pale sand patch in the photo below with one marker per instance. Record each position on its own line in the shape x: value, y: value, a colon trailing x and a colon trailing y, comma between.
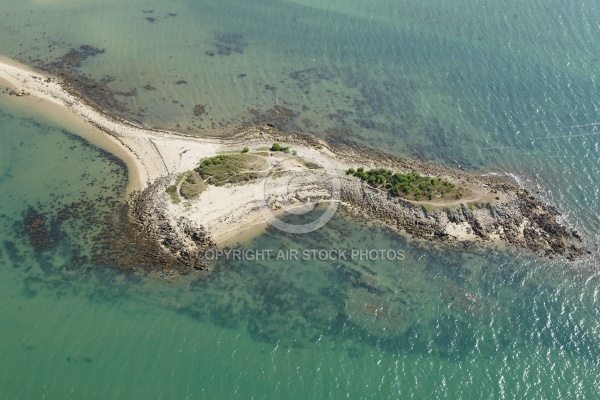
x: 149, y: 154
x: 156, y: 152
x: 55, y: 115
x: 232, y: 213
x: 152, y: 153
x: 461, y: 231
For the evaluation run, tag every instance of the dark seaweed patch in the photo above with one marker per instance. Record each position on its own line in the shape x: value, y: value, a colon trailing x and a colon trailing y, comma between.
x: 226, y: 44
x: 122, y: 245
x: 75, y: 57
x: 94, y: 91
x: 28, y: 292
x: 13, y: 253
x: 40, y: 235
x: 199, y: 109
x: 312, y: 76
x: 130, y: 93
x: 279, y: 117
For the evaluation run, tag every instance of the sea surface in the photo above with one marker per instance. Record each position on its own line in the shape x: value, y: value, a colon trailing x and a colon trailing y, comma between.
x: 504, y: 86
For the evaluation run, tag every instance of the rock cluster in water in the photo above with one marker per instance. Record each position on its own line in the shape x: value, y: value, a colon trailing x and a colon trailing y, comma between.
x: 176, y: 236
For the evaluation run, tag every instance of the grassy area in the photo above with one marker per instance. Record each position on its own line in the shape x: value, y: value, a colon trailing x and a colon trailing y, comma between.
x: 278, y: 147
x: 180, y: 178
x: 192, y: 186
x: 173, y: 190
x: 312, y: 165
x: 243, y: 150
x: 230, y: 168
x: 411, y: 186
x: 235, y: 167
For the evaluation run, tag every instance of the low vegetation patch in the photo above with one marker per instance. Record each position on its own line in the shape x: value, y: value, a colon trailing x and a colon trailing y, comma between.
x: 230, y: 168
x: 172, y: 191
x: 192, y: 186
x: 411, y: 186
x: 278, y: 147
x: 312, y: 165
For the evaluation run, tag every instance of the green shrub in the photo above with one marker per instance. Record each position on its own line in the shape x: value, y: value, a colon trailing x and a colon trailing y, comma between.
x: 278, y: 147
x: 312, y: 165
x: 400, y: 184
x: 172, y: 191
x: 245, y: 150
x: 213, y: 161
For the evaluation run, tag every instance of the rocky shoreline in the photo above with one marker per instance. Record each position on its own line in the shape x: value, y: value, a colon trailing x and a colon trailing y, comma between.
x: 176, y: 236
x: 515, y: 219
x: 523, y: 222
x: 520, y: 221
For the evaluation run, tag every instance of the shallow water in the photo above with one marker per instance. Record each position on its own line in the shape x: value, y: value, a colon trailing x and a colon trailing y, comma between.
x: 444, y: 81
x: 500, y: 86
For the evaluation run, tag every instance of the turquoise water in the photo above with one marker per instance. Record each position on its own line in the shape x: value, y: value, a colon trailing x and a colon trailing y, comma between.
x: 501, y: 86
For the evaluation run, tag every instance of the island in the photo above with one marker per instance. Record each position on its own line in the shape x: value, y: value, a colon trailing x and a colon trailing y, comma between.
x: 189, y: 193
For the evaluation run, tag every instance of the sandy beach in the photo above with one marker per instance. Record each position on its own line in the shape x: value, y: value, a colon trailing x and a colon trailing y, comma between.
x: 495, y: 209
x: 148, y: 153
